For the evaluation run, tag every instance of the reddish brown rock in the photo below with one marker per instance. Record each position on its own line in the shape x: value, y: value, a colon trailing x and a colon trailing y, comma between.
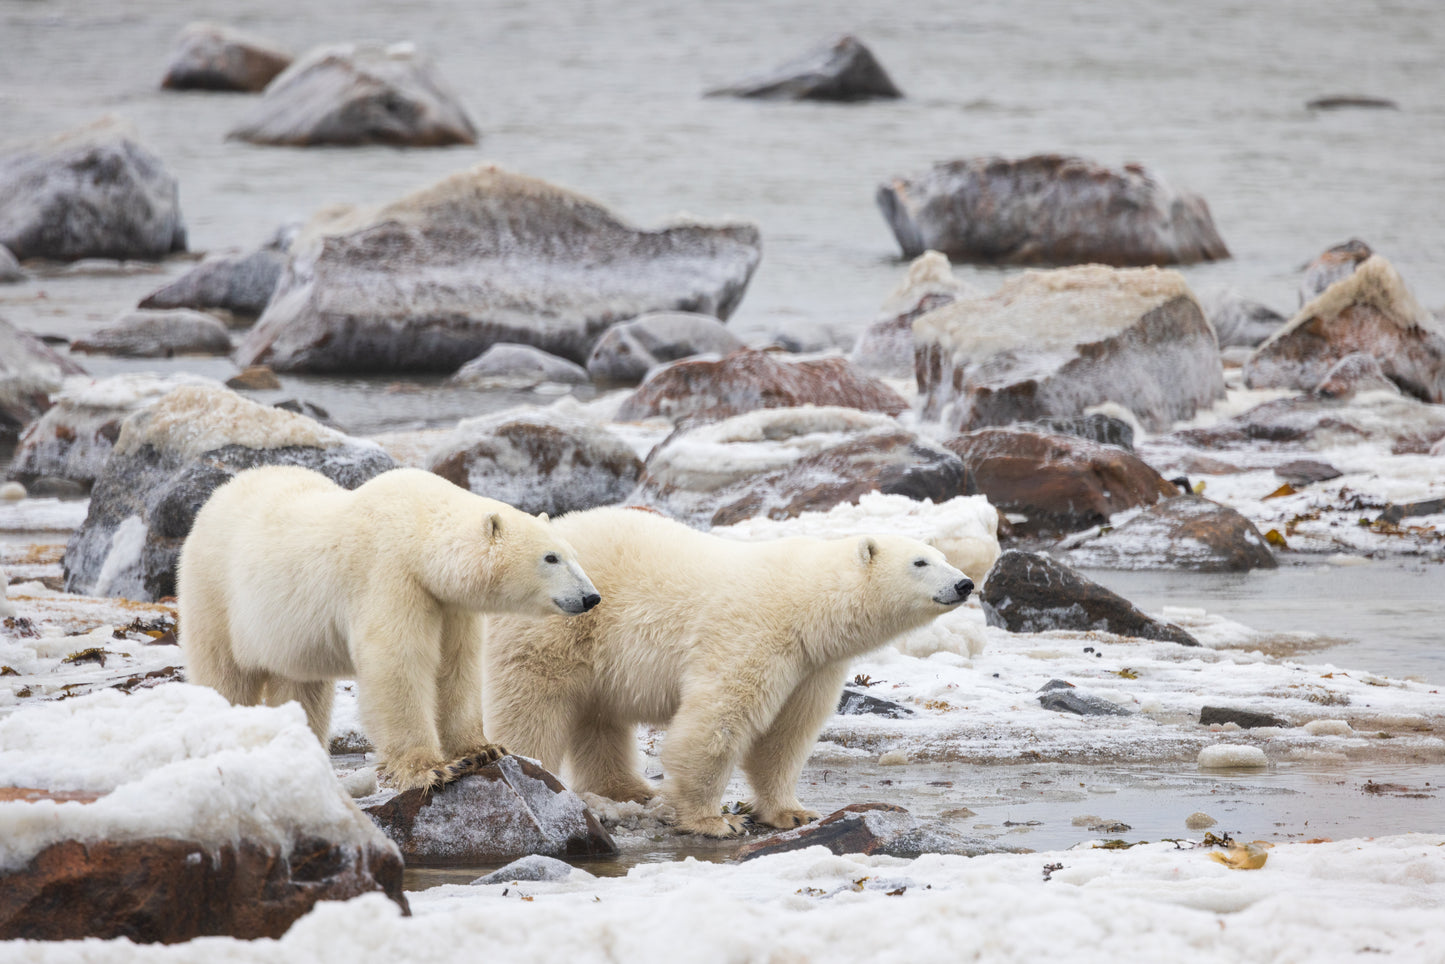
x: 1062, y: 483
x: 210, y: 56
x: 1185, y: 532
x: 505, y: 810
x: 1336, y: 263
x: 1048, y: 209
x: 747, y: 380
x: 1059, y: 342
x: 1371, y: 311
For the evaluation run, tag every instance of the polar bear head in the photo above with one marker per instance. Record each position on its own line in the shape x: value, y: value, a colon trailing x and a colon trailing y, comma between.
x: 908, y: 576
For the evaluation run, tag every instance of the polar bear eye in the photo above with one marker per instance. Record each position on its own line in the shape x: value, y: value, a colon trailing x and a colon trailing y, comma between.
x: 920, y: 562
x: 551, y: 558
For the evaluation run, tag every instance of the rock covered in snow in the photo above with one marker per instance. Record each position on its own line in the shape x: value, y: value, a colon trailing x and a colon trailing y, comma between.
x: 1228, y: 756
x: 73, y: 439
x: 507, y: 365
x: 530, y: 868
x: 432, y: 280
x: 158, y: 334
x: 1237, y: 320
x: 1061, y: 483
x: 778, y: 463
x: 241, y: 284
x: 210, y: 56
x: 9, y: 268
x: 627, y: 351
x: 1185, y: 532
x: 93, y: 192
x: 1059, y: 342
x: 1027, y: 592
x: 1335, y: 264
x: 1369, y: 310
x: 508, y: 809
x: 873, y: 829
x: 355, y: 94
x: 550, y: 460
x: 885, y: 347
x: 748, y: 380
x: 841, y: 70
x: 30, y: 372
x: 168, y: 458
x: 1048, y: 210
x: 858, y: 703
x: 168, y: 814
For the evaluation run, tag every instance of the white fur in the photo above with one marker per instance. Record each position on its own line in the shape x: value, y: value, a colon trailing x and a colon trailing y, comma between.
x: 739, y: 648
x: 288, y: 581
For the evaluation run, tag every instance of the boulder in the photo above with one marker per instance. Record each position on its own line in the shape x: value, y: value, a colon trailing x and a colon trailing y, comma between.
x: 1302, y: 472
x: 1355, y: 373
x: 167, y: 460
x: 840, y: 70
x: 10, y: 271
x: 1061, y: 697
x: 1237, y: 321
x: 1059, y: 342
x: 241, y: 284
x: 1335, y: 264
x: 1369, y: 310
x: 1027, y: 592
x: 508, y: 365
x: 431, y: 281
x: 30, y: 372
x: 858, y: 703
x: 539, y: 460
x: 1309, y: 422
x: 167, y: 814
x: 1186, y: 532
x: 209, y: 56
x: 533, y: 867
x: 1246, y: 719
x: 1093, y: 427
x: 356, y: 94
x: 254, y: 378
x: 747, y: 380
x: 1048, y: 210
x: 1061, y: 483
x: 158, y: 334
x: 507, y: 809
x: 73, y: 439
x: 885, y: 348
x: 875, y: 829
x: 93, y: 192
x: 627, y: 351
x: 779, y: 463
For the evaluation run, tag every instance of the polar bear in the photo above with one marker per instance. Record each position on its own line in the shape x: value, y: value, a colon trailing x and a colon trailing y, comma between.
x: 288, y: 582
x: 739, y: 648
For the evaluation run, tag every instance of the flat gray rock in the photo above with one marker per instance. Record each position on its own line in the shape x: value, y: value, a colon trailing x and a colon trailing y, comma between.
x: 158, y: 334
x: 839, y: 70
x: 626, y: 352
x: 508, y: 365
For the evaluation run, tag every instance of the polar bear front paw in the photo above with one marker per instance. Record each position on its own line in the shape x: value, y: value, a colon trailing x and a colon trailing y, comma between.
x: 471, y: 763
x: 787, y: 818
x: 724, y: 825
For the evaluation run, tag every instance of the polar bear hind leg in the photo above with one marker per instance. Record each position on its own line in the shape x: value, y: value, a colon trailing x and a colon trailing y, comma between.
x: 315, y: 697
x: 604, y: 760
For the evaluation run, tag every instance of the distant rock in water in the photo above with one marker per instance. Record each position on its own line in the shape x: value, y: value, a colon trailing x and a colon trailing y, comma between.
x: 429, y: 282
x: 1186, y: 532
x: 627, y: 351
x: 30, y: 372
x: 209, y: 56
x: 1336, y: 263
x: 749, y: 379
x: 93, y: 192
x: 167, y: 461
x: 507, y: 365
x: 352, y: 95
x: 1339, y: 101
x: 840, y: 70
x: 1369, y: 310
x: 1058, y: 342
x: 885, y: 348
x: 241, y: 284
x: 158, y: 334
x: 1048, y: 210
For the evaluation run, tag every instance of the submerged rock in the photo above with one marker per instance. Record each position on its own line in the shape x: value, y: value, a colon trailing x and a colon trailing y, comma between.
x: 158, y: 334
x: 627, y: 351
x: 506, y: 810
x: 885, y: 347
x: 1027, y: 592
x: 432, y: 280
x: 841, y: 70
x: 1058, y: 342
x: 241, y: 284
x: 93, y: 192
x: 356, y: 94
x: 507, y: 365
x: 1061, y: 483
x: 167, y: 460
x: 539, y: 460
x: 1185, y: 532
x: 209, y: 56
x: 748, y: 380
x: 778, y: 463
x: 1369, y: 310
x: 1048, y: 210
x: 873, y: 829
x: 30, y: 372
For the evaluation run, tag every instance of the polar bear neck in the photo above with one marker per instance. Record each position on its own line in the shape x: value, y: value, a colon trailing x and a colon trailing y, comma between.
x: 845, y: 618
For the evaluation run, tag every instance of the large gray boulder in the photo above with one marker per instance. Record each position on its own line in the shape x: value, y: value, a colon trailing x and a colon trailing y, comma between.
x: 94, y: 192
x: 30, y: 373
x: 209, y: 56
x: 1058, y: 342
x: 1048, y: 209
x: 842, y: 69
x: 627, y: 351
x: 167, y: 461
x: 432, y: 280
x: 357, y: 94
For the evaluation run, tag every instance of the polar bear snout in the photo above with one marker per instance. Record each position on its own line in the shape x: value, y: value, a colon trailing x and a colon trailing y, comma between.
x: 577, y: 605
x: 590, y: 600
x: 956, y: 593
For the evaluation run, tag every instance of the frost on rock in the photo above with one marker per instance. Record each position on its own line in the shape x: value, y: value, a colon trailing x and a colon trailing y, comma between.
x: 1058, y: 342
x: 430, y: 281
x: 506, y: 365
x: 551, y: 460
x: 168, y: 459
x: 627, y: 351
x: 1185, y: 532
x: 30, y: 372
x: 780, y: 462
x: 145, y: 333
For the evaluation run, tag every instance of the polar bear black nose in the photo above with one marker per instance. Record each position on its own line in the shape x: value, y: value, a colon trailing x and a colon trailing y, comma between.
x: 963, y: 587
x: 590, y: 600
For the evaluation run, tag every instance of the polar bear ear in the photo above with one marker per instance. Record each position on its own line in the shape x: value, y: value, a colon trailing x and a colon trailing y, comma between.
x: 492, y: 526
x: 867, y: 549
